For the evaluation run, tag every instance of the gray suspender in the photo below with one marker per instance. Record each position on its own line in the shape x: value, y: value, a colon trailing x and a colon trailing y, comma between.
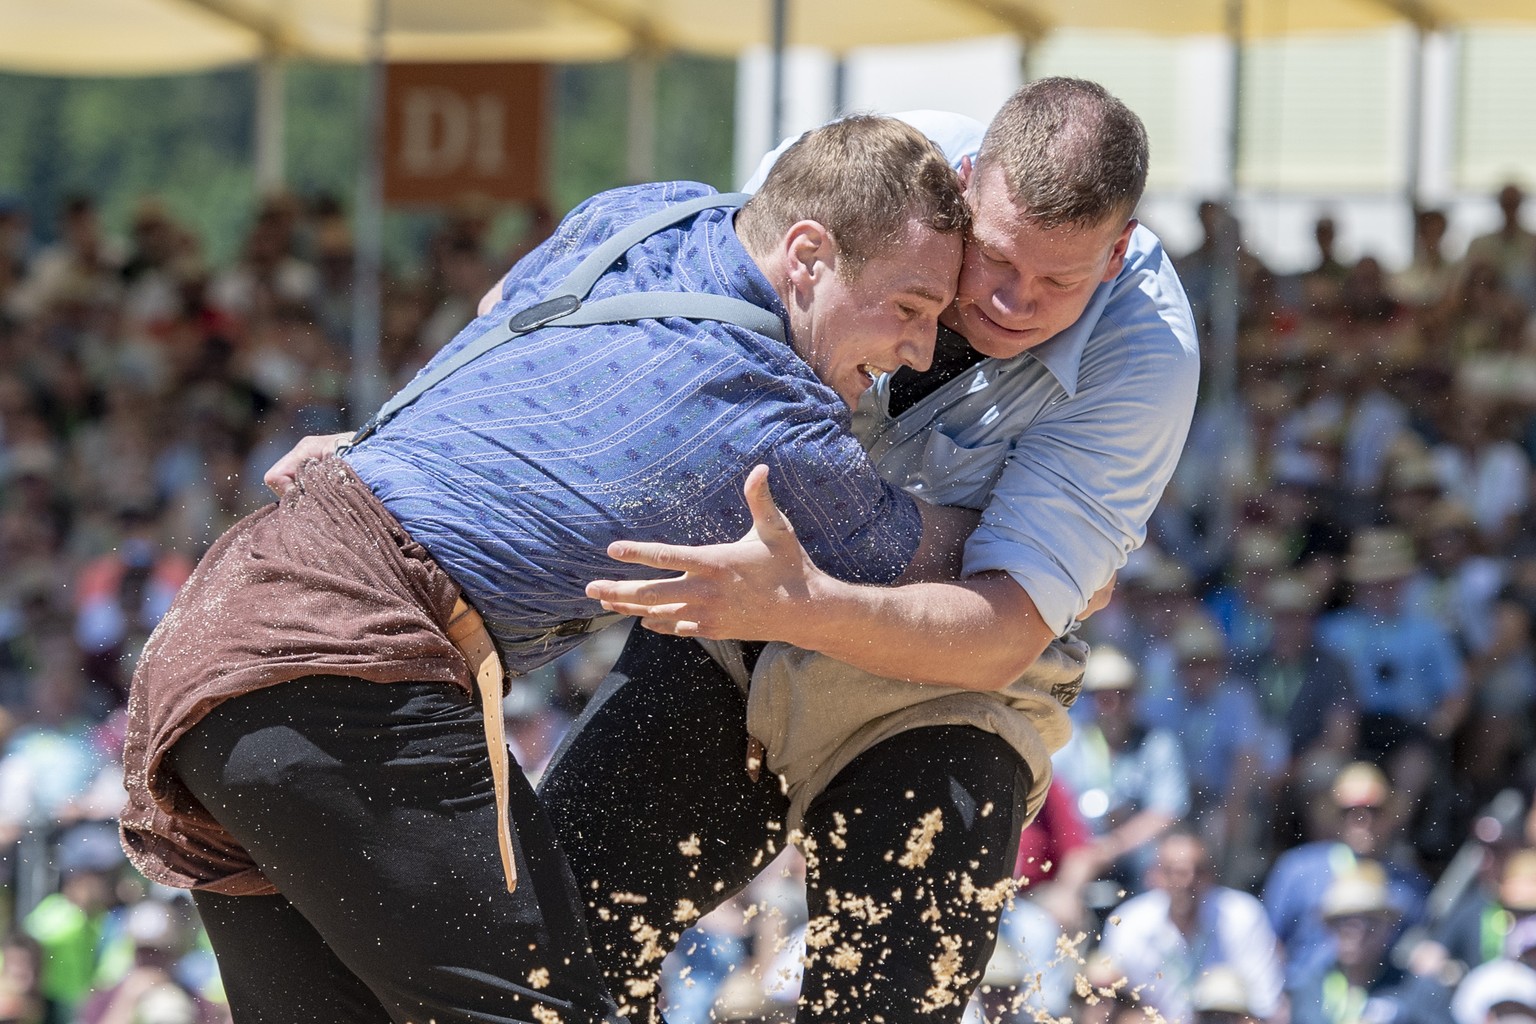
x: 568, y: 307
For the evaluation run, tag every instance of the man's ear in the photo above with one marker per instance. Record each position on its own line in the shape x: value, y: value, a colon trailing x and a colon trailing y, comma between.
x: 967, y: 166
x: 809, y: 253
x: 1117, y: 253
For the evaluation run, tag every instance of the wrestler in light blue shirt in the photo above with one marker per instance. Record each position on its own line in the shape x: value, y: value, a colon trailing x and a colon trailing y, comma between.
x: 1065, y: 448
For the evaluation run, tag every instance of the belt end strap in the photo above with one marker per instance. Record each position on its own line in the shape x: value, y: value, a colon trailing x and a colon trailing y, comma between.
x: 467, y: 631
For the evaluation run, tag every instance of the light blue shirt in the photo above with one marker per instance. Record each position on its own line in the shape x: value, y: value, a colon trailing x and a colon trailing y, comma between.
x: 1404, y: 665
x: 1066, y: 448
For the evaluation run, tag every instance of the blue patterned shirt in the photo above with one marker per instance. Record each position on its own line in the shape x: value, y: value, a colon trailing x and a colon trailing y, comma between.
x: 518, y: 470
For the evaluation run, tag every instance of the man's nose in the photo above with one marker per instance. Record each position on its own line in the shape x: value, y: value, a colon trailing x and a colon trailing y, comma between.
x: 1016, y: 300
x: 916, y: 349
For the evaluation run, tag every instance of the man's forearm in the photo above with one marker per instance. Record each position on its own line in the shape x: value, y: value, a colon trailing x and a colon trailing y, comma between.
x: 980, y: 634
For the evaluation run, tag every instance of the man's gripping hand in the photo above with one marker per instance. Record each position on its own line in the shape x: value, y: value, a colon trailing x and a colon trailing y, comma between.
x: 755, y: 588
x: 284, y: 473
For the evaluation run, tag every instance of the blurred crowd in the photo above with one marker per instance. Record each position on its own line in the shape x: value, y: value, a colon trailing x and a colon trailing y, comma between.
x: 1300, y: 786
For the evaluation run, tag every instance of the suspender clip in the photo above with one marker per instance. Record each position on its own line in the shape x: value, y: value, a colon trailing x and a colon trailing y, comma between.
x: 537, y: 315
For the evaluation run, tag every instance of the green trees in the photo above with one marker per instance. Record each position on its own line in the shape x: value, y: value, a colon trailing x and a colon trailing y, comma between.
x: 186, y: 139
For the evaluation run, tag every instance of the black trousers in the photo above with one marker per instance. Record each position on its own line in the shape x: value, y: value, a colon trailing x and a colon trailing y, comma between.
x: 910, y: 851
x: 370, y: 807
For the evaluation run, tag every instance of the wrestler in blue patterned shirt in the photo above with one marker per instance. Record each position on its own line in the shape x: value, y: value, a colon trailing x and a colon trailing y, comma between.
x: 516, y: 471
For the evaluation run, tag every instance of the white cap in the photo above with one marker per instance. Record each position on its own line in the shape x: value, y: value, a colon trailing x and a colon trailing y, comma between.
x: 1108, y: 669
x: 1221, y: 990
x: 1498, y: 981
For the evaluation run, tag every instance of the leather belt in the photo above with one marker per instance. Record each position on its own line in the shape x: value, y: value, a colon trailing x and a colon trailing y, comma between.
x: 467, y: 631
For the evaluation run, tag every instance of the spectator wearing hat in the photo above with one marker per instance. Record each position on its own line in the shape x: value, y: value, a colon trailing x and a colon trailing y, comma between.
x: 1152, y: 593
x: 1403, y: 666
x: 1303, y: 689
x: 1300, y: 879
x: 1231, y: 754
x: 1258, y: 556
x: 1356, y: 983
x: 1501, y: 991
x: 1128, y: 779
x: 1221, y: 997
x: 1412, y: 491
x: 1165, y: 939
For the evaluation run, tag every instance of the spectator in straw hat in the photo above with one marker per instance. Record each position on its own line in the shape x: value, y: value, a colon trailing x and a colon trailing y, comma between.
x: 1153, y: 593
x: 1302, y: 687
x: 1221, y: 997
x: 1231, y: 753
x: 1305, y: 697
x: 1128, y: 779
x: 1258, y: 555
x: 1357, y: 983
x: 1403, y: 666
x: 1296, y: 887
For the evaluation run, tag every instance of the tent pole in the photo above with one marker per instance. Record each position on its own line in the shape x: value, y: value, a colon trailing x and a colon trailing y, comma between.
x: 640, y: 133
x: 270, y: 118
x: 366, y: 385
x: 1413, y: 173
x: 780, y: 30
x: 1235, y: 91
x: 1226, y: 296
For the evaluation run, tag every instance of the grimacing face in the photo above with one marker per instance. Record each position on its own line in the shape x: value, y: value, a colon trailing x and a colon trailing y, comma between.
x: 1020, y: 283
x: 883, y: 316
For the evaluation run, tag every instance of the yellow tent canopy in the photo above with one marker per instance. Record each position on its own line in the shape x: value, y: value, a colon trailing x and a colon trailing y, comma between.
x: 114, y: 37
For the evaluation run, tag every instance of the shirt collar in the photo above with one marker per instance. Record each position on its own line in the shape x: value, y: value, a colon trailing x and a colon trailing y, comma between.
x: 733, y: 269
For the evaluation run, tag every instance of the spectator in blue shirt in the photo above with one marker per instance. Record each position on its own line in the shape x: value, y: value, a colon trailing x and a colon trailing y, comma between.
x: 1294, y: 891
x: 1402, y: 665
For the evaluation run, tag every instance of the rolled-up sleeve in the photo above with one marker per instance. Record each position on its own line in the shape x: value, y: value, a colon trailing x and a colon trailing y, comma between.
x: 1076, y: 491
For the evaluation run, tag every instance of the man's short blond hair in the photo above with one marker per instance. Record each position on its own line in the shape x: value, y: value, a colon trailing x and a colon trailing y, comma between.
x: 1071, y: 154
x: 864, y: 178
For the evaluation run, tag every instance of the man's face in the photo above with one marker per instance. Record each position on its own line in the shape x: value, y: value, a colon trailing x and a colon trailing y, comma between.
x: 1361, y: 939
x: 1183, y: 871
x: 882, y: 316
x: 1022, y: 284
x: 1360, y: 828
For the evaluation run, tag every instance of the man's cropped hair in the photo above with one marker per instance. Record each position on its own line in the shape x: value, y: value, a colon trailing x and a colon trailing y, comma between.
x: 863, y: 178
x: 1070, y: 153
